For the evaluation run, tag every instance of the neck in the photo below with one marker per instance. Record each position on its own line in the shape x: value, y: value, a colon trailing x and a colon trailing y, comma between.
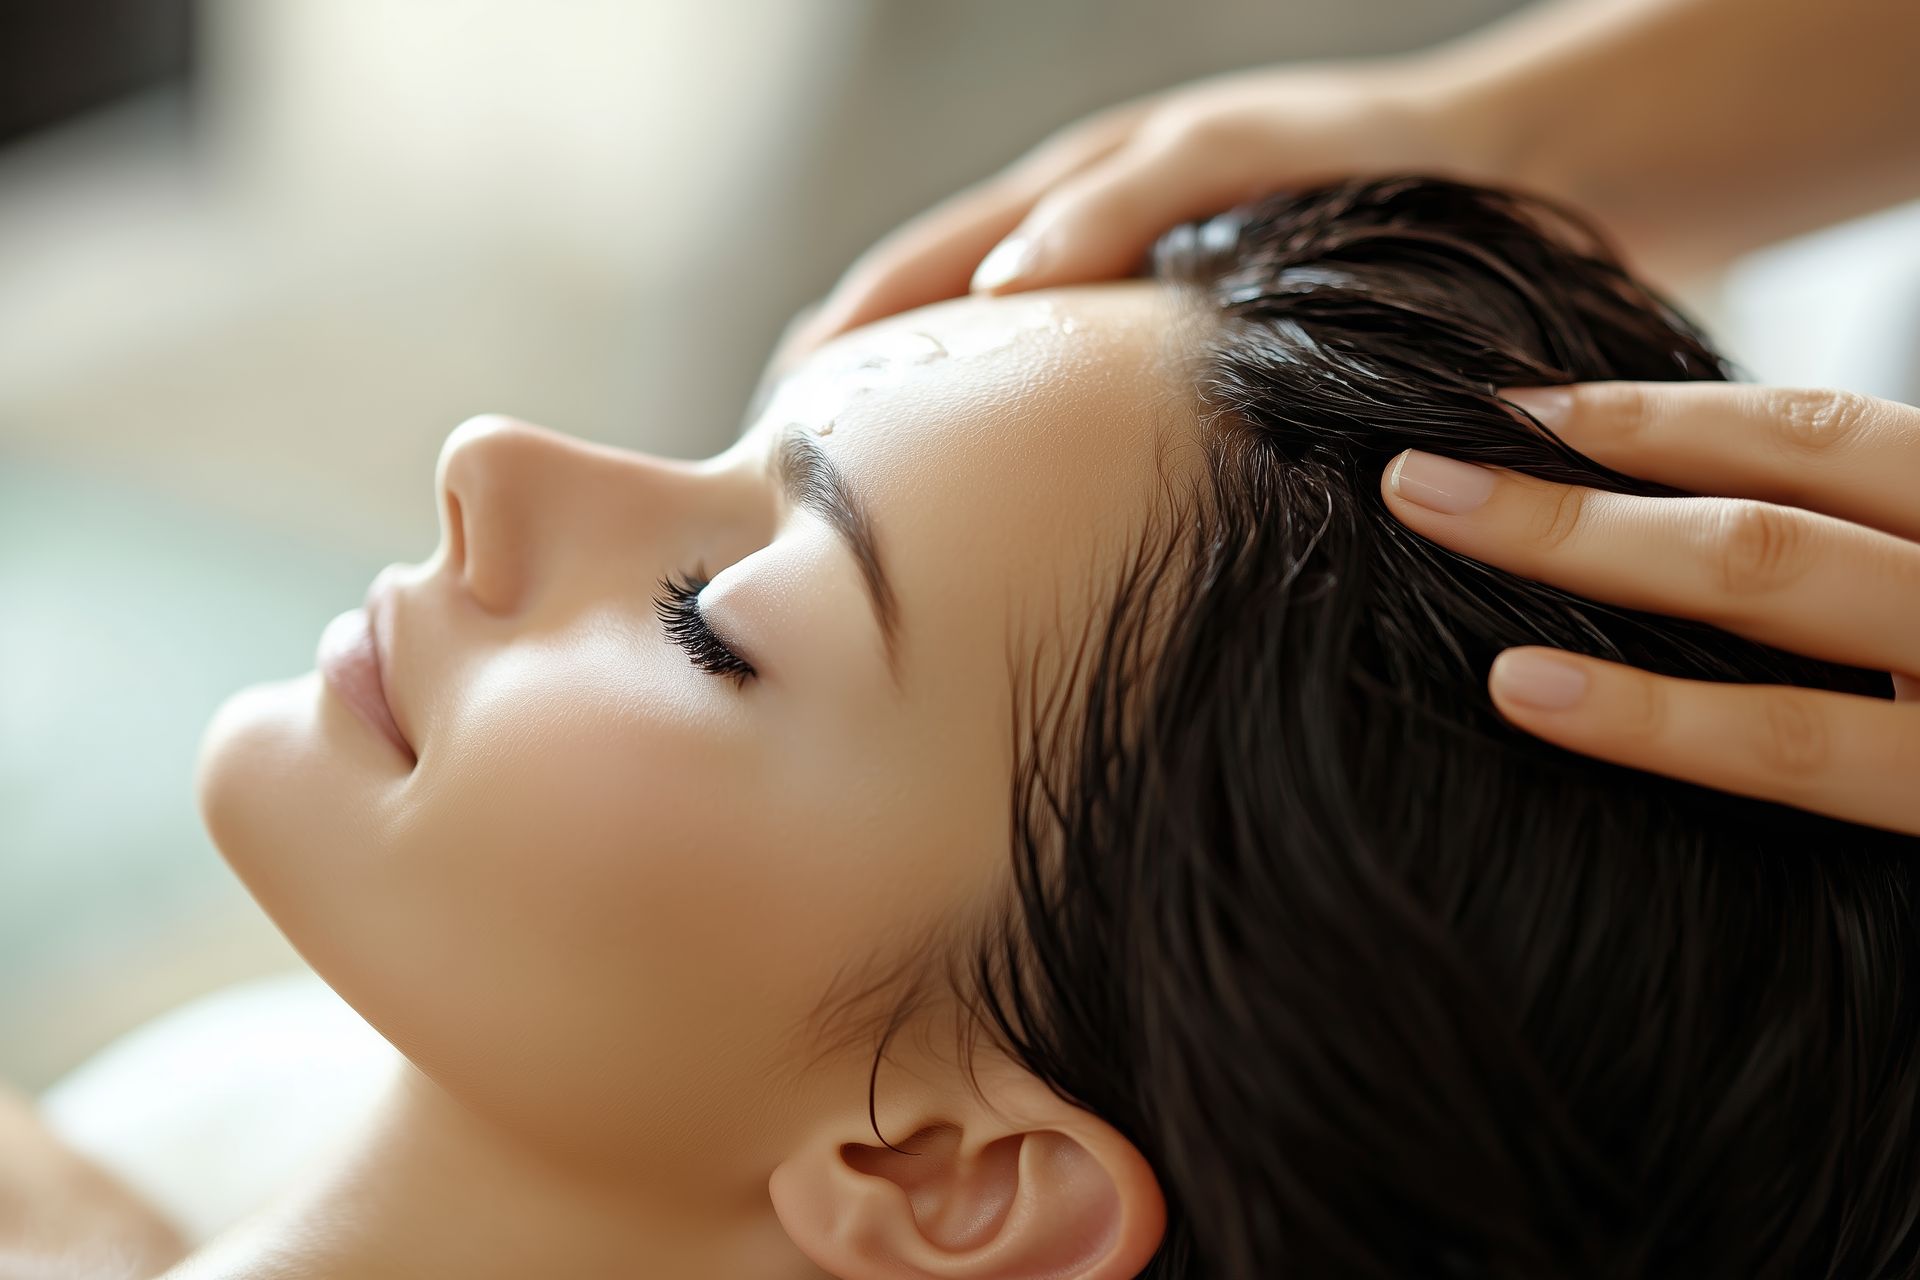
x: 430, y: 1188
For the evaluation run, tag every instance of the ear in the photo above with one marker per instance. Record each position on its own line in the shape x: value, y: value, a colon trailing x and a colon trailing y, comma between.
x: 1026, y: 1188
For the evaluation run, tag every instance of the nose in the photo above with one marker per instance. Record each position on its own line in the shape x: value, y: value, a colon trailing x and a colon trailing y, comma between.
x: 525, y: 511
x: 505, y: 490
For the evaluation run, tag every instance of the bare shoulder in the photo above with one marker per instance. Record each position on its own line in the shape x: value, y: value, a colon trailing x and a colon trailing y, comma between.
x: 62, y: 1217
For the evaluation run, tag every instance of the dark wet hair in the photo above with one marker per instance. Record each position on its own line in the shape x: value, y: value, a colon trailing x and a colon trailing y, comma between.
x: 1378, y: 984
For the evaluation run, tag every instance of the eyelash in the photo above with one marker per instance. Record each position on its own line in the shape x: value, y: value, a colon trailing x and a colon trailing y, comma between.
x: 678, y: 605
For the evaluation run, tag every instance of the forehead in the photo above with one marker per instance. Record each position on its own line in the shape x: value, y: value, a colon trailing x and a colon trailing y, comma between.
x: 1007, y: 448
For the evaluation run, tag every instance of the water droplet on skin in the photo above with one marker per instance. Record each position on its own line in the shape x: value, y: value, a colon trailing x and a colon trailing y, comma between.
x: 829, y: 387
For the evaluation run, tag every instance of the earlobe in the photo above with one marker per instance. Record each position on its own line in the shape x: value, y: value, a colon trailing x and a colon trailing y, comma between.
x: 1032, y: 1188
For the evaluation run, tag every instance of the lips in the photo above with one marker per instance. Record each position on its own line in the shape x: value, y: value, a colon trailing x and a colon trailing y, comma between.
x: 350, y: 661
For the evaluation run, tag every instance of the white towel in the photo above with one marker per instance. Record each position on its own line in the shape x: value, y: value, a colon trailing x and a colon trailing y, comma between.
x: 211, y: 1110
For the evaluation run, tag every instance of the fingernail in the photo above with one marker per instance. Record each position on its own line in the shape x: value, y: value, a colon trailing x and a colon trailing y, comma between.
x: 1440, y: 484
x: 1010, y: 259
x: 1538, y: 679
x: 1550, y: 406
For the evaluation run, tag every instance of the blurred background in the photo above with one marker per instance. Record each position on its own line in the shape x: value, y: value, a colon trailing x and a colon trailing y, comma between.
x: 257, y: 257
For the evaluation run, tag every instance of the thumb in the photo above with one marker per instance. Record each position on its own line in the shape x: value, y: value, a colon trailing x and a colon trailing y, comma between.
x: 1100, y: 224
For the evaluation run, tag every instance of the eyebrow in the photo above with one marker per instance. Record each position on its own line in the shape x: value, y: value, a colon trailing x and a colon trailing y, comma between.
x: 811, y: 481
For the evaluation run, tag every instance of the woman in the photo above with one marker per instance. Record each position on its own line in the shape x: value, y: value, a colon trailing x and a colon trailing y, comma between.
x: 661, y: 821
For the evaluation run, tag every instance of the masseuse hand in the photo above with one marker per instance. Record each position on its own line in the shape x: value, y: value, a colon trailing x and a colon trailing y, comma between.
x: 1663, y: 120
x: 1814, y: 547
x: 1088, y: 202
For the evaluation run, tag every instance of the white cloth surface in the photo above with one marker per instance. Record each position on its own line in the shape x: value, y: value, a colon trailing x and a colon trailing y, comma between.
x: 213, y: 1108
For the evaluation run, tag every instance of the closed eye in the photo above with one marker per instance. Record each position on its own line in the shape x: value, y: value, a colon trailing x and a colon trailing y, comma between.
x: 678, y: 604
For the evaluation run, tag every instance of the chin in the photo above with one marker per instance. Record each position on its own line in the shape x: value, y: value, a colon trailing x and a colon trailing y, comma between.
x: 302, y: 799
x: 285, y: 787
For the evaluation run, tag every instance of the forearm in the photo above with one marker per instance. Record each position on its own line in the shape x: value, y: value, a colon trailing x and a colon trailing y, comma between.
x: 1696, y: 129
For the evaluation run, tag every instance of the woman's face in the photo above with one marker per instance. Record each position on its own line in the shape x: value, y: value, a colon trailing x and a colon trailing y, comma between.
x: 606, y: 901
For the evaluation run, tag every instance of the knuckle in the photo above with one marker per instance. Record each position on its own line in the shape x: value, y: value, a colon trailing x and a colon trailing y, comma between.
x: 489, y: 433
x: 1075, y: 139
x: 1084, y: 211
x: 1904, y: 751
x: 1108, y: 206
x: 1621, y: 413
x: 1639, y: 706
x: 1202, y: 131
x: 1793, y: 741
x: 1757, y: 548
x: 1816, y: 423
x: 1558, y: 516
x: 1066, y: 146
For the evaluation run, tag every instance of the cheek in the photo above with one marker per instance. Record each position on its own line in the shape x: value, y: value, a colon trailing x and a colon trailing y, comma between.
x: 616, y: 888
x: 593, y: 921
x: 534, y: 915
